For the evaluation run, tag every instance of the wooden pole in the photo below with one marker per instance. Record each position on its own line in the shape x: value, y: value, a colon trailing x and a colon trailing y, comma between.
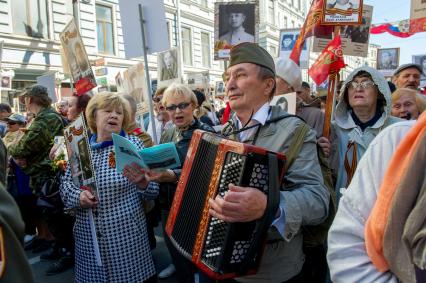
x: 332, y: 83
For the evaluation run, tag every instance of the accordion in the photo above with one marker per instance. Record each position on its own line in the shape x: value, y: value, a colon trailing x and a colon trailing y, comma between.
x: 218, y: 248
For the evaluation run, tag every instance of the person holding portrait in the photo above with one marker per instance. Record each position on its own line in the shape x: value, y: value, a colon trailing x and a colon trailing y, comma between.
x: 118, y: 212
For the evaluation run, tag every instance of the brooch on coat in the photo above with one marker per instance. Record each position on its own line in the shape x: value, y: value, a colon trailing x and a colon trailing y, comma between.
x: 111, y: 159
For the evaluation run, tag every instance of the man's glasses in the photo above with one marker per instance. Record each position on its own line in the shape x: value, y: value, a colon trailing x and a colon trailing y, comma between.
x: 181, y: 106
x: 362, y: 85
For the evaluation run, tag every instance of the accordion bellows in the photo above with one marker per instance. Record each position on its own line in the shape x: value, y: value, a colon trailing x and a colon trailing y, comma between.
x: 221, y: 249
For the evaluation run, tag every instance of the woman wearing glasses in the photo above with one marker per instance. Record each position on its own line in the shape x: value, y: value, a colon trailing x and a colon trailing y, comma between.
x: 362, y: 112
x: 179, y: 102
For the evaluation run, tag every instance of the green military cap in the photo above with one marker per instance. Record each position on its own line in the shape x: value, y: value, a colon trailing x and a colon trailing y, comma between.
x: 35, y: 91
x: 248, y: 52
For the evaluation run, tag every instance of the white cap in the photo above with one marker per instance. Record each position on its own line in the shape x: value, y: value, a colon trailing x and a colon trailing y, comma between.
x: 288, y: 70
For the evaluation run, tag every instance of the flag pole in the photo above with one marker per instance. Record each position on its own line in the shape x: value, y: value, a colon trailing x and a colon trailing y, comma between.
x: 332, y: 83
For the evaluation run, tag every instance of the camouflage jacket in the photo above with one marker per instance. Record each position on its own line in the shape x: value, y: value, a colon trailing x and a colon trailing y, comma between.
x: 36, y: 143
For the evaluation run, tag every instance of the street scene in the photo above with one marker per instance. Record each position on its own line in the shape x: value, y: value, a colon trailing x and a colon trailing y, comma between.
x: 203, y: 141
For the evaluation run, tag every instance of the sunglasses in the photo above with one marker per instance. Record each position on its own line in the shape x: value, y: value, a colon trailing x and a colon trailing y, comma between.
x: 362, y: 85
x: 181, y: 106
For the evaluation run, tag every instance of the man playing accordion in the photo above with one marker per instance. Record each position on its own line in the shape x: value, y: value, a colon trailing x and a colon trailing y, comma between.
x: 250, y: 85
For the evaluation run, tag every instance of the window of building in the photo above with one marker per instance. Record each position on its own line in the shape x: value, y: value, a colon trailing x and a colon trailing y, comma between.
x: 205, y: 49
x: 271, y: 12
x: 30, y: 18
x: 204, y: 3
x: 292, y: 24
x: 168, y: 33
x: 285, y: 22
x: 186, y: 46
x: 105, y: 29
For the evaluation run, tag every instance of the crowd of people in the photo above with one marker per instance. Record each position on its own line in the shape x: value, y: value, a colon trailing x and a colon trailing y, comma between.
x: 370, y: 143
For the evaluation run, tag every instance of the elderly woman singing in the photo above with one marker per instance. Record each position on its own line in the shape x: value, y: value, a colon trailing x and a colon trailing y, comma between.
x: 118, y: 213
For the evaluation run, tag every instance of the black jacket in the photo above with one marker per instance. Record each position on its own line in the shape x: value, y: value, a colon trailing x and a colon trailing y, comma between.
x: 182, y: 139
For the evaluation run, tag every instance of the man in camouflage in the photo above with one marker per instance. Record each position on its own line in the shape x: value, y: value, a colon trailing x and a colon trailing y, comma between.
x: 31, y: 153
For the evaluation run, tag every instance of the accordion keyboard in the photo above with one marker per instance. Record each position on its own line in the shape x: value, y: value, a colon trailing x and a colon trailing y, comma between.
x: 238, y: 169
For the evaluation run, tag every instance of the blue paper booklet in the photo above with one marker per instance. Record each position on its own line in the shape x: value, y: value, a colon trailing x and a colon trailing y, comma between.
x: 162, y: 156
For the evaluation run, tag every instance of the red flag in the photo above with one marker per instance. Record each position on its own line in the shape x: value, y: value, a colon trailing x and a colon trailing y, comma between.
x: 312, y: 22
x: 329, y: 62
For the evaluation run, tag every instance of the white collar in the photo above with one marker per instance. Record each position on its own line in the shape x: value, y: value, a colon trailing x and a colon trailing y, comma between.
x: 260, y: 116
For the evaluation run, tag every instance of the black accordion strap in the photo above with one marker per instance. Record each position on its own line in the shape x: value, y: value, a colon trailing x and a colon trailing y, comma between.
x: 263, y: 224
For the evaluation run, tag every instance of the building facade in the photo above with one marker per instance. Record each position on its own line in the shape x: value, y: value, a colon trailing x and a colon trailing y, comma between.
x: 30, y: 33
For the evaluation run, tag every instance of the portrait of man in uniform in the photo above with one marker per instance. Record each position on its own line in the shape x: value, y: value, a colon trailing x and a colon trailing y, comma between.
x: 76, y: 57
x: 81, y: 57
x: 237, y: 23
x: 387, y: 59
x: 134, y: 82
x: 421, y: 60
x: 340, y: 4
x: 169, y: 66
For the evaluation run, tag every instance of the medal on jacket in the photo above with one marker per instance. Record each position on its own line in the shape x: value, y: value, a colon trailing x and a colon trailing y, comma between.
x: 111, y: 159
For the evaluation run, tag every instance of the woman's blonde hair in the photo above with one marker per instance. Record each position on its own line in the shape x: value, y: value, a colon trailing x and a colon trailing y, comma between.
x: 179, y: 89
x: 107, y: 100
x: 420, y: 101
x: 203, y: 109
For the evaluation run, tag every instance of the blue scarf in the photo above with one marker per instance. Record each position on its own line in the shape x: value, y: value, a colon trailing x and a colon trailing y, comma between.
x: 104, y: 144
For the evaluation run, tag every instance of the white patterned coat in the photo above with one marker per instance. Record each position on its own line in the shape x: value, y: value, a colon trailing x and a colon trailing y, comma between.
x: 120, y: 225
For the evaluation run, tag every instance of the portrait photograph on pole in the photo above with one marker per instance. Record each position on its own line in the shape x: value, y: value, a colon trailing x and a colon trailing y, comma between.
x: 235, y: 22
x: 134, y: 84
x: 418, y: 16
x: 119, y: 82
x: 287, y: 39
x: 78, y: 62
x: 355, y: 38
x: 168, y: 66
x: 198, y: 81
x: 387, y: 61
x: 342, y: 12
x: 421, y: 60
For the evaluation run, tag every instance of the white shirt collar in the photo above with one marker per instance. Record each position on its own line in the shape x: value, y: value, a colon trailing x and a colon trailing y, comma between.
x: 260, y: 116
